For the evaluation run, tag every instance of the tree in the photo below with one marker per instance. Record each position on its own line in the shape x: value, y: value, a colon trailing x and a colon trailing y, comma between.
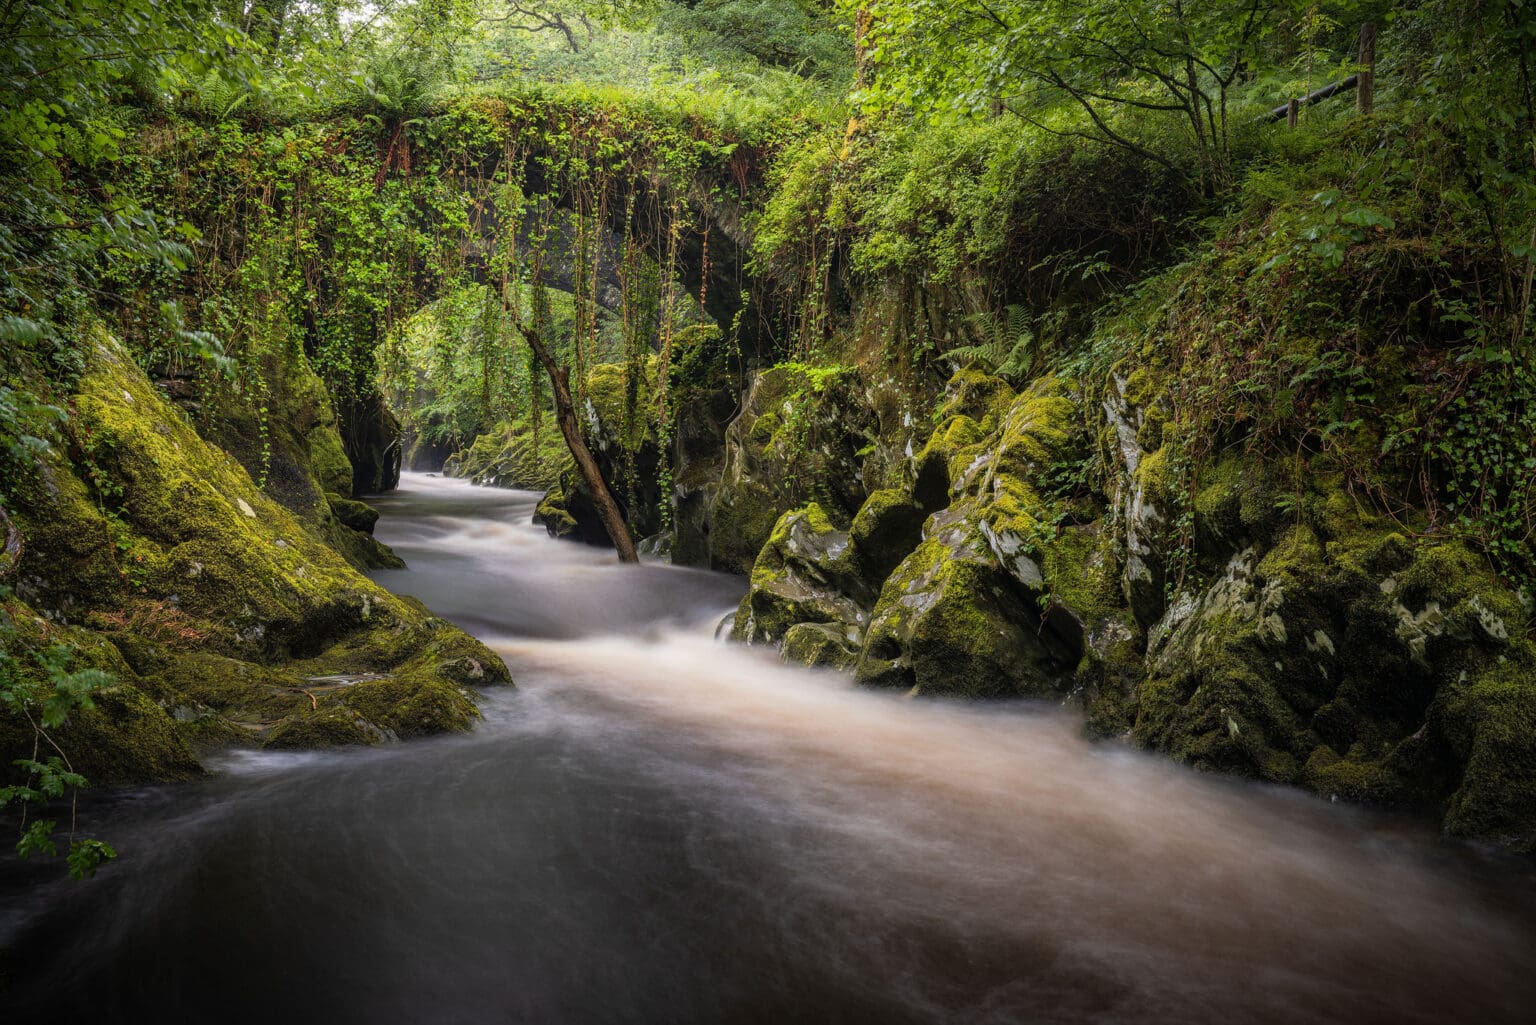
x: 565, y: 17
x: 1178, y: 60
x: 570, y: 429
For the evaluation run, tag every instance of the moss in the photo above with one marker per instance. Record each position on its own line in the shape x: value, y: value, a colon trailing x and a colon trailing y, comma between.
x: 124, y: 737
x: 938, y: 465
x: 1144, y: 385
x: 1352, y: 778
x: 358, y: 516
x: 976, y: 396
x: 764, y: 427
x: 1079, y: 575
x: 1478, y: 606
x: 948, y: 621
x: 513, y: 455
x: 412, y: 703
x: 551, y: 512
x: 241, y: 690
x: 1038, y: 431
x: 207, y: 583
x: 333, y: 471
x: 1224, y: 717
x: 1108, y: 678
x: 607, y: 391
x: 361, y: 551
x: 819, y: 644
x: 329, y: 727
x: 739, y: 527
x: 1159, y: 479
x: 887, y: 527
x: 1489, y: 724
x: 1235, y: 504
x: 802, y: 434
x: 802, y: 575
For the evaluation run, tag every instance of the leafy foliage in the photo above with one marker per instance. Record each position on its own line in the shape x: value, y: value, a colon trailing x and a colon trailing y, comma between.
x: 38, y: 684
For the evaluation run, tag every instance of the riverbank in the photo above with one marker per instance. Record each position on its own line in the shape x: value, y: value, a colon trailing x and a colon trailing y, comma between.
x: 656, y: 826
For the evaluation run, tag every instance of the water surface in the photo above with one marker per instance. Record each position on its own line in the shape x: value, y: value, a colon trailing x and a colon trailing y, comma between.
x: 655, y: 827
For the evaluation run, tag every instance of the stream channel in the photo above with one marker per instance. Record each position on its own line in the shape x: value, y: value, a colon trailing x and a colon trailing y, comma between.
x: 657, y: 827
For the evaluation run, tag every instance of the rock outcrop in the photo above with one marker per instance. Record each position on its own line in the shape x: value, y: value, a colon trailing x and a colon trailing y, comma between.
x: 222, y: 616
x: 1054, y: 543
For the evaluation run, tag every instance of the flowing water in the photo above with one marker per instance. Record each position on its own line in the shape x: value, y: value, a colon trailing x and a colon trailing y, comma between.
x: 656, y: 827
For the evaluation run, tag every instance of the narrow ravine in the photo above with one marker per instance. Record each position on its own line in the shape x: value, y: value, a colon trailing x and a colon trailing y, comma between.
x: 657, y: 827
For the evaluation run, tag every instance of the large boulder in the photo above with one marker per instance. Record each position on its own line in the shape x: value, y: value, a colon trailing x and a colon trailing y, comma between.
x: 952, y: 620
x: 222, y: 608
x: 514, y: 455
x: 799, y: 437
x: 804, y: 574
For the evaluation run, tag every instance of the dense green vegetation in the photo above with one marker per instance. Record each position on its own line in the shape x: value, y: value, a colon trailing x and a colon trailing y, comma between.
x: 315, y: 224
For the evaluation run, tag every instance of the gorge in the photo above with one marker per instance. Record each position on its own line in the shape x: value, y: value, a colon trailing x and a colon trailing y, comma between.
x: 1084, y: 511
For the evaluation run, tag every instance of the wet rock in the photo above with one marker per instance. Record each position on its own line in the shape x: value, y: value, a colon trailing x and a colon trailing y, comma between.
x: 827, y: 645
x: 951, y: 620
x: 802, y: 575
x: 358, y: 516
x: 213, y: 609
x: 371, y: 436
x: 887, y: 527
x: 798, y: 437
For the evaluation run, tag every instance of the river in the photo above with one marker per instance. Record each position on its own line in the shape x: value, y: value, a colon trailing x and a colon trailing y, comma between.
x: 656, y: 827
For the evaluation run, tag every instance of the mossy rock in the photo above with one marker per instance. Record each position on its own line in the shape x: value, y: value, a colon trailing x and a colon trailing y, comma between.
x: 1236, y: 504
x: 1039, y: 430
x: 1356, y: 777
x: 1488, y: 725
x: 514, y: 455
x: 977, y: 396
x: 362, y: 551
x: 412, y: 704
x: 552, y: 514
x: 949, y: 620
x: 799, y: 437
x: 123, y: 736
x: 1108, y: 678
x: 358, y: 516
x: 242, y: 691
x: 803, y: 575
x: 822, y: 645
x: 940, y: 466
x: 333, y: 471
x: 888, y: 526
x: 221, y: 598
x: 323, y: 728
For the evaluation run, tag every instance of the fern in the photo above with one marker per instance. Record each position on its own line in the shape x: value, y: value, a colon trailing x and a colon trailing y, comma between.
x: 1007, y: 348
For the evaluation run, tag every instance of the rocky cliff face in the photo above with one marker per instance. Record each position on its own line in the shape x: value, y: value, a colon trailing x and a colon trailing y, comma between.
x: 223, y: 613
x: 1048, y: 543
x: 1248, y: 614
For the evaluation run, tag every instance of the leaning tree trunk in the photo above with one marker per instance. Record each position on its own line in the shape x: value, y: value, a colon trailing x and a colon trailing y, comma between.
x: 565, y: 415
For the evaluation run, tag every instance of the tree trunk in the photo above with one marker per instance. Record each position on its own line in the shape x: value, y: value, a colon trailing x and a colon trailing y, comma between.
x: 565, y: 415
x: 1365, y: 89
